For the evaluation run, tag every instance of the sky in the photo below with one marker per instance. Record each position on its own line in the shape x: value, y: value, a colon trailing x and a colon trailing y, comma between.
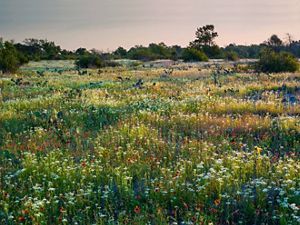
x: 107, y: 24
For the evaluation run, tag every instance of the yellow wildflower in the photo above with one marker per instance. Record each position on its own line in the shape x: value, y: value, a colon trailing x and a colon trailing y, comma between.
x: 258, y: 150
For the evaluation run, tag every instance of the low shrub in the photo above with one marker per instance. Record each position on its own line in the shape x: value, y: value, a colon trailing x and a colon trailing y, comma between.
x: 231, y: 56
x: 94, y: 61
x: 10, y: 58
x: 194, y: 55
x: 272, y: 62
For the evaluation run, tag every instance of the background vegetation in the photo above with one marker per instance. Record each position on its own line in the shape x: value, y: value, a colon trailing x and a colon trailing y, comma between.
x: 204, y: 44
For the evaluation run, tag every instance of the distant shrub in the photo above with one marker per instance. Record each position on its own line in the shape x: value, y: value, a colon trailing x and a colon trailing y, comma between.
x: 231, y: 56
x: 94, y: 61
x: 10, y: 58
x: 194, y: 55
x: 90, y: 61
x: 141, y: 53
x: 154, y: 52
x: 272, y: 62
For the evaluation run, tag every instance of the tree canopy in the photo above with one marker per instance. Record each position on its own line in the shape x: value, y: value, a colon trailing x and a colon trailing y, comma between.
x: 205, y: 36
x: 10, y: 58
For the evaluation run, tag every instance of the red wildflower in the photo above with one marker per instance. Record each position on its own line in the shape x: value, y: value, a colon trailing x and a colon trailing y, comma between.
x: 137, y: 209
x: 62, y: 210
x: 194, y: 219
x: 21, y: 219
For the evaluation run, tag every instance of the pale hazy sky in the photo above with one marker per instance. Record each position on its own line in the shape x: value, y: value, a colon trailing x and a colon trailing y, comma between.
x: 107, y: 24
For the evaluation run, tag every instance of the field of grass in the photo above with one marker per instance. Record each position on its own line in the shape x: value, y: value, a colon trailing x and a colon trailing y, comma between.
x: 103, y: 148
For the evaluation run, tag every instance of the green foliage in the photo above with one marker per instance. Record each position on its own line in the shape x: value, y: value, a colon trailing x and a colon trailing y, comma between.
x: 194, y: 55
x: 120, y: 53
x: 213, y: 52
x: 204, y: 37
x: 205, y: 41
x: 94, y: 61
x: 36, y: 50
x: 274, y: 42
x: 154, y: 52
x: 140, y: 53
x: 244, y: 51
x: 81, y: 51
x: 90, y: 61
x: 231, y: 56
x: 10, y: 58
x: 160, y: 50
x: 272, y: 62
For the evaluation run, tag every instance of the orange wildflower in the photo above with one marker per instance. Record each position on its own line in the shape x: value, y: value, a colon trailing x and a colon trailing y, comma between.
x: 217, y: 202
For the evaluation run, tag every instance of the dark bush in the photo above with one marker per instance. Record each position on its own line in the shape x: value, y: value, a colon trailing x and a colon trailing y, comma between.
x: 231, y: 56
x: 94, y: 61
x: 141, y: 53
x: 90, y: 61
x: 194, y: 55
x: 10, y: 58
x: 154, y: 52
x: 273, y: 62
x: 120, y: 53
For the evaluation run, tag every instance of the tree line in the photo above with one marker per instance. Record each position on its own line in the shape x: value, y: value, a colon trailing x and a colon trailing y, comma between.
x: 202, y: 48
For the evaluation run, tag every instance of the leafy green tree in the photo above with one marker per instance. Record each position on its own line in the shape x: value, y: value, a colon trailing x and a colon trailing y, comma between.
x: 32, y: 48
x: 82, y: 51
x: 161, y: 50
x: 275, y: 43
x: 204, y: 41
x: 35, y: 49
x: 51, y: 51
x: 10, y: 58
x: 204, y: 37
x: 120, y: 53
